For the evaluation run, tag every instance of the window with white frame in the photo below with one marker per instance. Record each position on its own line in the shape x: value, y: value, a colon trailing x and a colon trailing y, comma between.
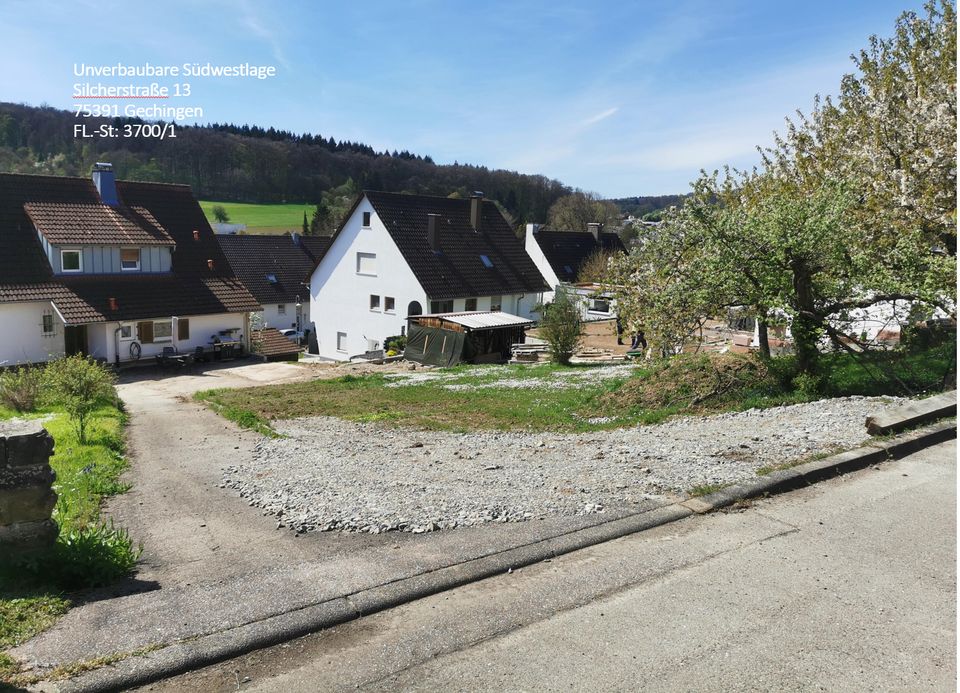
x: 496, y: 302
x: 367, y: 264
x: 374, y: 302
x: 163, y: 330
x: 366, y: 220
x: 342, y: 341
x: 126, y: 332
x: 47, y: 325
x: 599, y: 305
x: 71, y: 260
x: 129, y: 259
x: 389, y: 304
x: 281, y: 309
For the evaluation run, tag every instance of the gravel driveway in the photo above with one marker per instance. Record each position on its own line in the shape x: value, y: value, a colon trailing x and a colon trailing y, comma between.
x: 330, y: 474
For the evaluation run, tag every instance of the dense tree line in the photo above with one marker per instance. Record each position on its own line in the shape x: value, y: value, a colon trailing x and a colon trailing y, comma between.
x: 642, y: 206
x: 253, y: 164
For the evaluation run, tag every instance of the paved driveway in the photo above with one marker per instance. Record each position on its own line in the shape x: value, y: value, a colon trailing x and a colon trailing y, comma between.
x: 190, y: 527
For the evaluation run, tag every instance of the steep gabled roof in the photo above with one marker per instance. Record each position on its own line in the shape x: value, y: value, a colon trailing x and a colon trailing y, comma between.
x: 191, y: 288
x: 567, y: 250
x: 458, y: 269
x: 271, y: 267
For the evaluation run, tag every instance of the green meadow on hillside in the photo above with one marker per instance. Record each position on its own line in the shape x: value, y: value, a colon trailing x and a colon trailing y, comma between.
x: 262, y: 218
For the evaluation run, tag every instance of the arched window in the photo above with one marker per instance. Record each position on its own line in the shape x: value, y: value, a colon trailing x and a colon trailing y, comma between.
x: 414, y: 308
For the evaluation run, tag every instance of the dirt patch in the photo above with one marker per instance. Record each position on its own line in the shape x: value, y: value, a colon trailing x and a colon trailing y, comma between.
x: 690, y: 380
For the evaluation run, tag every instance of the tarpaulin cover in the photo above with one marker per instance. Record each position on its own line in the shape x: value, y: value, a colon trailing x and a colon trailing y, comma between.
x: 436, y: 347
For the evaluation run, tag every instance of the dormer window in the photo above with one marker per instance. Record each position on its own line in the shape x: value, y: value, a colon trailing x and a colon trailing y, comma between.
x: 130, y: 259
x: 71, y: 260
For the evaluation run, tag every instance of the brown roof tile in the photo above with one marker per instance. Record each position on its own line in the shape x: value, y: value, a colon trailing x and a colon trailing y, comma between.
x: 191, y: 288
x: 96, y: 224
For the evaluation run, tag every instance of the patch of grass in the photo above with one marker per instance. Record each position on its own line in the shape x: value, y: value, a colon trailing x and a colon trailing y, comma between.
x: 245, y: 418
x: 427, y: 405
x: 706, y: 489
x: 262, y: 218
x: 34, y: 588
x: 822, y: 455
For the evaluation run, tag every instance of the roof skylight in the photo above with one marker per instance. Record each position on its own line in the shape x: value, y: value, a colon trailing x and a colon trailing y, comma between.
x: 487, y: 262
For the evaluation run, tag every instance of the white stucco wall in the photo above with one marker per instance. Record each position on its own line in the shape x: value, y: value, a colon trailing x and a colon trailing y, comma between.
x: 540, y: 260
x: 102, y: 338
x: 22, y: 339
x: 340, y: 296
x: 271, y: 317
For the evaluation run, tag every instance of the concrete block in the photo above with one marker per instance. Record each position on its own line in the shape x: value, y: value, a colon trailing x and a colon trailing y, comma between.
x: 26, y: 535
x: 914, y: 413
x: 26, y: 504
x: 34, y: 475
x: 29, y: 448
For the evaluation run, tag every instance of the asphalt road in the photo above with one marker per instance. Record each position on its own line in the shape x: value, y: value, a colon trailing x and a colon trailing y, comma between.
x: 849, y: 585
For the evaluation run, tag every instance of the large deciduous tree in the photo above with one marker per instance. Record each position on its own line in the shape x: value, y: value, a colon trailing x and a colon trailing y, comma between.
x: 573, y: 212
x: 855, y: 206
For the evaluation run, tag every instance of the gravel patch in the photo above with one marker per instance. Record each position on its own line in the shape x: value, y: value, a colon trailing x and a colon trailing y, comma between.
x: 330, y: 474
x: 559, y: 380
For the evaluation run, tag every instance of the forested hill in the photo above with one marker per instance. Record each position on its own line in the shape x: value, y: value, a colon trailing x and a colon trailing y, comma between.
x: 644, y: 206
x: 252, y: 164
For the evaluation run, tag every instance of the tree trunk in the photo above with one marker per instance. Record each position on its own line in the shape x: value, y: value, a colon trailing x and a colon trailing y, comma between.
x: 806, y: 330
x: 762, y: 336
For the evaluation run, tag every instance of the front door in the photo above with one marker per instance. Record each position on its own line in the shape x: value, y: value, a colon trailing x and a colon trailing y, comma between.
x: 75, y: 339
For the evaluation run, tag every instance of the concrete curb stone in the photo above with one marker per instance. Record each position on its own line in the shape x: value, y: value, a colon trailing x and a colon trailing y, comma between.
x: 205, y: 650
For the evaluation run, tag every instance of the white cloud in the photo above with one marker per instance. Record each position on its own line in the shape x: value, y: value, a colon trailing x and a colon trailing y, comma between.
x: 603, y: 115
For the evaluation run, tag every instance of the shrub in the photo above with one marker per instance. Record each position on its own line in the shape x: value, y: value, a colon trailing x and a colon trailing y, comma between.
x: 91, y: 556
x: 80, y: 385
x: 396, y: 344
x: 20, y: 388
x: 560, y: 326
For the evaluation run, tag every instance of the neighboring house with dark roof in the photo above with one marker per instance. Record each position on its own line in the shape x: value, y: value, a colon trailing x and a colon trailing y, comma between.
x: 560, y: 254
x: 114, y: 269
x: 274, y: 269
x: 397, y: 255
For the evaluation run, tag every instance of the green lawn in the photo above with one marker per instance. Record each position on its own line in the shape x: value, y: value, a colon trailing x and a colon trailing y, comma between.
x: 34, y: 595
x: 648, y: 394
x: 262, y: 218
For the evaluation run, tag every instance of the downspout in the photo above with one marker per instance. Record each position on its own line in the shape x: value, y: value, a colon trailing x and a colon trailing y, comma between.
x: 116, y: 345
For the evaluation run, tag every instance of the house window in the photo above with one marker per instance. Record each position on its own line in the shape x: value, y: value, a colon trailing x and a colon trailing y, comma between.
x: 47, y: 325
x: 129, y: 259
x: 183, y: 328
x: 367, y: 264
x: 71, y: 260
x: 126, y: 332
x: 342, y: 341
x: 281, y: 309
x: 441, y: 306
x: 470, y: 304
x: 366, y: 220
x: 599, y: 305
x: 162, y: 331
x: 374, y: 302
x: 496, y: 302
x: 389, y: 304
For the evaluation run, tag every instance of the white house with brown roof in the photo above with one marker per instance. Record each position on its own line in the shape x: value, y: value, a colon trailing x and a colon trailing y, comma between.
x: 116, y: 270
x: 397, y: 255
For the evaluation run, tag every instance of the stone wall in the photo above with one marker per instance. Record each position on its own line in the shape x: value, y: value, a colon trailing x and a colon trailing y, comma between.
x: 26, y: 496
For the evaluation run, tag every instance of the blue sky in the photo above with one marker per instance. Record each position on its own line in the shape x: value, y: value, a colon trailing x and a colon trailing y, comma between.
x: 625, y: 98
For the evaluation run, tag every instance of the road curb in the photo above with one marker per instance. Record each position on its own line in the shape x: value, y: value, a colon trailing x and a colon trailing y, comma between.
x: 188, y: 655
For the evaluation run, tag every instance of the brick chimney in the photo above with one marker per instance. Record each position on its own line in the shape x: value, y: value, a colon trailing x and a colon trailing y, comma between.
x: 433, y: 232
x: 595, y: 228
x: 105, y: 182
x: 476, y: 209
